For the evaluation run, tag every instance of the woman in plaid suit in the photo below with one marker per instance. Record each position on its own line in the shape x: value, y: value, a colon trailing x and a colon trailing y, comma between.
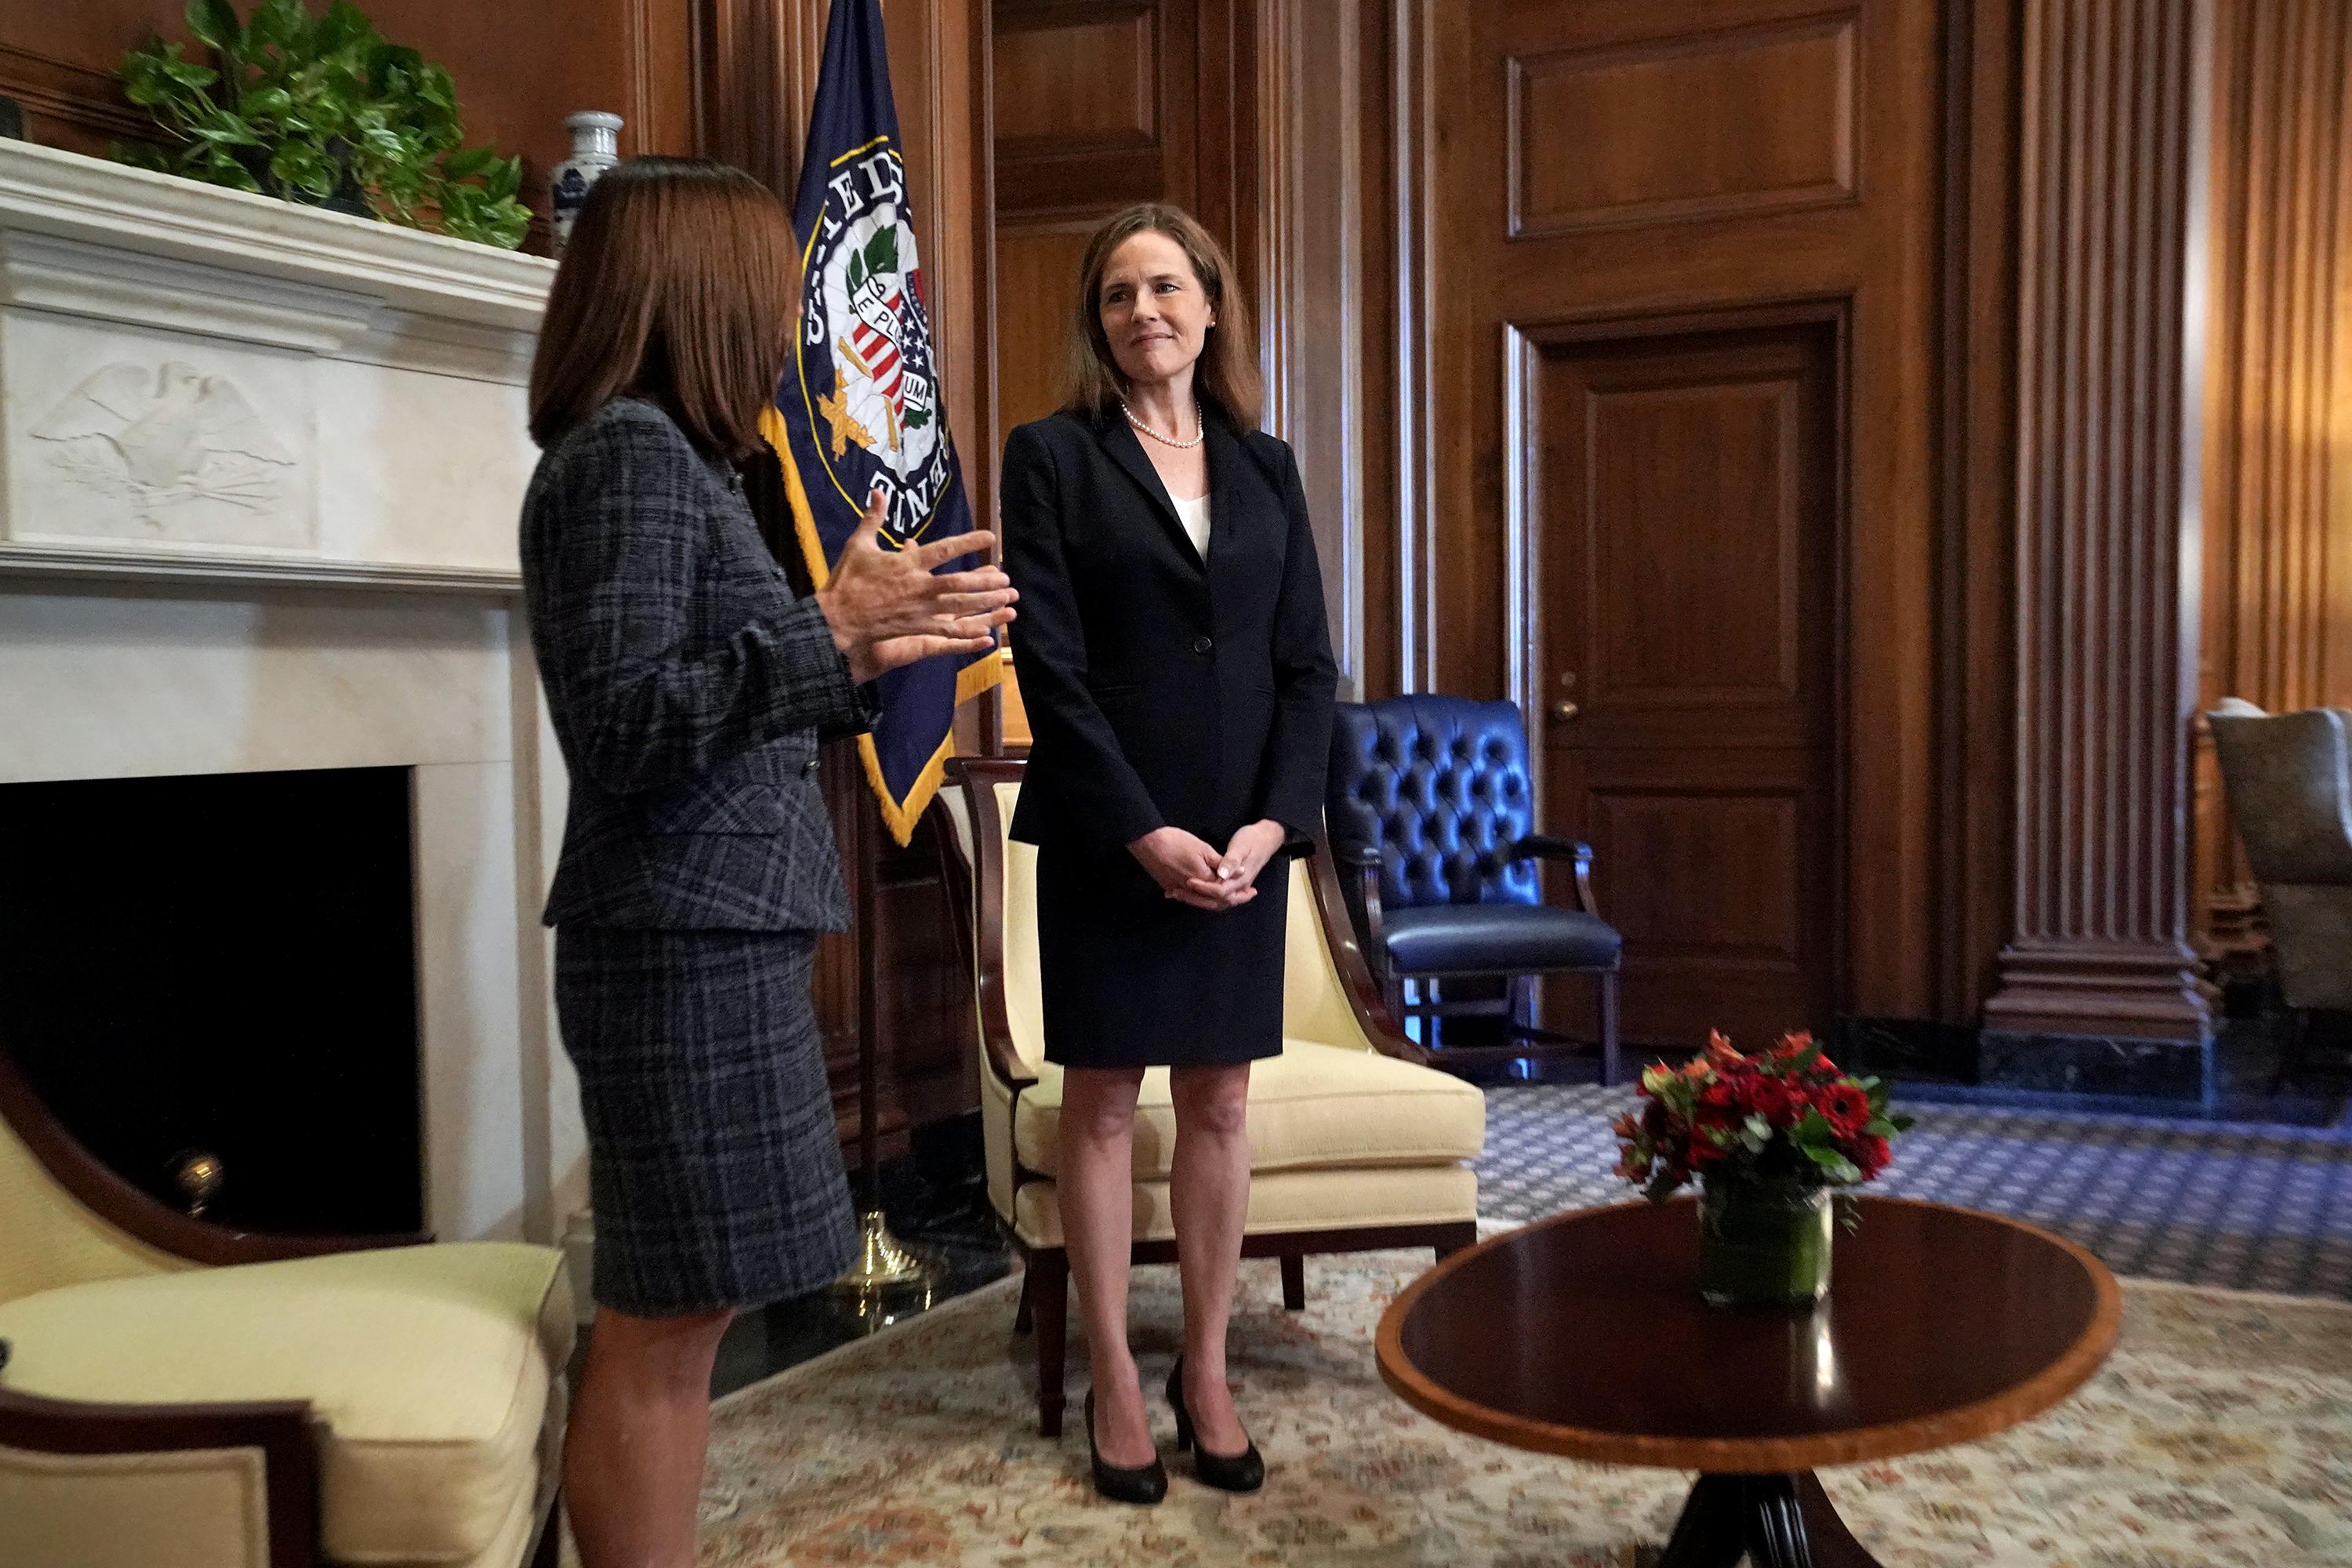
x: 689, y: 689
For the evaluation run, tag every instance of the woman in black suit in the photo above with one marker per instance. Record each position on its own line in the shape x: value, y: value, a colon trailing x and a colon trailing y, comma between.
x: 1179, y: 681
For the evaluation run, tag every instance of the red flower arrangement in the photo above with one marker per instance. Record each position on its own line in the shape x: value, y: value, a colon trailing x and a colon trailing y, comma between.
x: 1786, y: 1118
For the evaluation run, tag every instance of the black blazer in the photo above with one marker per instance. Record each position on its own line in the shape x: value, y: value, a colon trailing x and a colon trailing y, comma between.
x: 687, y: 686
x: 1158, y: 692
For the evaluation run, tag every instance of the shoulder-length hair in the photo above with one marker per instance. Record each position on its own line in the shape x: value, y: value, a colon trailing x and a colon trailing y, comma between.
x: 1227, y: 374
x: 681, y: 284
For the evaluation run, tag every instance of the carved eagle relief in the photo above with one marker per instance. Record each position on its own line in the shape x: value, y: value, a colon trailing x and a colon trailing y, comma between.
x: 165, y: 436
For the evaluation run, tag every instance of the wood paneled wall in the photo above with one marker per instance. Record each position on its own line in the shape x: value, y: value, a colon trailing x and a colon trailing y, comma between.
x: 1701, y: 236
x: 2278, y: 447
x: 1099, y: 103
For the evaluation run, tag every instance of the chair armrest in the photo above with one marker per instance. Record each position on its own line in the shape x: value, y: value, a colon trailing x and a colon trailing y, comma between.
x: 1544, y: 847
x: 1367, y: 859
x: 279, y: 1429
x: 982, y: 883
x: 1347, y: 955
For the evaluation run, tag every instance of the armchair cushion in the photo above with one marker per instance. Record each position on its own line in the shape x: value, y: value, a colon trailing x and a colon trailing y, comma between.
x: 1314, y: 1107
x: 434, y: 1373
x: 1496, y: 939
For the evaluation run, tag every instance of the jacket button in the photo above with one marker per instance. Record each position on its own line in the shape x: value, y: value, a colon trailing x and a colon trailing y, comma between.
x: 808, y: 769
x: 1201, y: 644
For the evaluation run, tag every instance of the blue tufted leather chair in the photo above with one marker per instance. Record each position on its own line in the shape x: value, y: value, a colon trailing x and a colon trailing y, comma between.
x: 1429, y: 799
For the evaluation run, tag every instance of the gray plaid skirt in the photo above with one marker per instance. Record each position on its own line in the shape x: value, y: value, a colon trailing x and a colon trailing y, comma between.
x: 713, y: 1164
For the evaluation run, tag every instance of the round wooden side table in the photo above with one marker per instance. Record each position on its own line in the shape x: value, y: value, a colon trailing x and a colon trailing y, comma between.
x: 1584, y: 1335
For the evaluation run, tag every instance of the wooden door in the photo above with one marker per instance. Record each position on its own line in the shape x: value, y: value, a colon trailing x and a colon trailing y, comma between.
x: 1684, y: 504
x: 1672, y: 399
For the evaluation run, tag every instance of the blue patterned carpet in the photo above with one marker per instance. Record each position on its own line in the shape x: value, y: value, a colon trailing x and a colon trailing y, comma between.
x: 2248, y: 1206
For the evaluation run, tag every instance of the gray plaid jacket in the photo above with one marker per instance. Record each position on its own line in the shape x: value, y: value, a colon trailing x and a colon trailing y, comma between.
x: 688, y: 688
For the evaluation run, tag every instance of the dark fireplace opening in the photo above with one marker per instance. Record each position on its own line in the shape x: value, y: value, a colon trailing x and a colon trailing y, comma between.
x: 223, y: 965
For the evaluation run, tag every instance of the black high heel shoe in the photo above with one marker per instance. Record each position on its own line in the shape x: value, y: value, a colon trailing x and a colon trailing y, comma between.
x: 1242, y: 1472
x: 1143, y: 1483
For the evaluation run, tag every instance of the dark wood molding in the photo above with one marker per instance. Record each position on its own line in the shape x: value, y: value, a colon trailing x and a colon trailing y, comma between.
x: 69, y: 105
x: 140, y: 1216
x: 1976, y: 435
x: 1414, y: 40
x: 2111, y: 210
x: 1317, y: 325
x: 754, y: 65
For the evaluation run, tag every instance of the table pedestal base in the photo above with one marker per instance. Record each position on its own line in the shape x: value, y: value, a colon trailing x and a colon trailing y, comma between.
x: 1779, y: 1521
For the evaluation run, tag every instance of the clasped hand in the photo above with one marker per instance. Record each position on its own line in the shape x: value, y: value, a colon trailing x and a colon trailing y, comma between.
x: 1191, y: 872
x: 889, y: 607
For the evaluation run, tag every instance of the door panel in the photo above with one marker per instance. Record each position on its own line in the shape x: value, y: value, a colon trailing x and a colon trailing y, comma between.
x: 1683, y: 502
x: 1674, y: 422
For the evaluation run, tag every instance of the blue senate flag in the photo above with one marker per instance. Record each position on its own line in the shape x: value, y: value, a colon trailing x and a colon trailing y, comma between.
x: 860, y: 405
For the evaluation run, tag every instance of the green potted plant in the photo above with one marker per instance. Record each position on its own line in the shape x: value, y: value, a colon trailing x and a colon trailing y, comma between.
x: 319, y: 110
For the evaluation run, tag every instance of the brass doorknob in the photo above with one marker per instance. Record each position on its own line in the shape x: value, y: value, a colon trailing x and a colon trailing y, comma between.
x: 1564, y: 710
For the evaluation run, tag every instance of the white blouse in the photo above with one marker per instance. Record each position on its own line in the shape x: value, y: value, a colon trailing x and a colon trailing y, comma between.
x: 1194, y: 515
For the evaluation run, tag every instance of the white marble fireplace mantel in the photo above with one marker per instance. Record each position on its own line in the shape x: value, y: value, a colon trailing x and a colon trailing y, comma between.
x: 198, y: 382
x: 260, y: 467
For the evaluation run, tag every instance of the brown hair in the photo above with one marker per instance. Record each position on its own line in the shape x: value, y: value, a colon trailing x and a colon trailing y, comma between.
x: 1226, y: 374
x: 680, y: 283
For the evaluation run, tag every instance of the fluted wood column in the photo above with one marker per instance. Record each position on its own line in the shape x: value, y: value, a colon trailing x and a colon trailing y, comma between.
x: 2110, y: 207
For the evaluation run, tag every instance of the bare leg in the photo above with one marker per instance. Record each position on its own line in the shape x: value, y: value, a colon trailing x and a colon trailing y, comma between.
x: 1097, y: 1187
x: 1209, y: 1192
x: 632, y: 1454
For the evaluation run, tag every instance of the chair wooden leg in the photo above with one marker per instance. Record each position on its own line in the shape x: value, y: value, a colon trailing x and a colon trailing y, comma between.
x: 1050, y: 1305
x: 1021, y: 1314
x: 1609, y: 1067
x: 1294, y: 1282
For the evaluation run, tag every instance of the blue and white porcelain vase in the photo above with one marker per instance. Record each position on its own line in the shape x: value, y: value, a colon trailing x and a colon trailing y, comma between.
x: 595, y: 147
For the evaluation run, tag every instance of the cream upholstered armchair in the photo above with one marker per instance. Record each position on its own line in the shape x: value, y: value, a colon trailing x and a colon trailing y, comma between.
x: 182, y: 1396
x: 1355, y: 1142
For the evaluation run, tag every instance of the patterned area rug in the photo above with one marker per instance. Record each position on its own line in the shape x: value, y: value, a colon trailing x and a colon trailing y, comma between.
x: 2252, y: 1207
x: 2219, y: 1434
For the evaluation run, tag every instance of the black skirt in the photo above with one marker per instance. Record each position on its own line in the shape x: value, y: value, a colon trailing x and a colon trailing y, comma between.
x: 713, y: 1164
x: 1132, y: 978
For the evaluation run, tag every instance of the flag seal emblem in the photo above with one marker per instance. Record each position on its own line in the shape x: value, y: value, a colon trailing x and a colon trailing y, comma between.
x: 864, y: 346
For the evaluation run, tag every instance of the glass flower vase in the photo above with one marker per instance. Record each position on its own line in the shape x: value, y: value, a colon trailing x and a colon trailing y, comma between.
x: 1763, y: 1246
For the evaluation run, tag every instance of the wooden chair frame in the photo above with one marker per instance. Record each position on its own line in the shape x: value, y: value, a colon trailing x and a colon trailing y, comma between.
x: 281, y: 1429
x: 1044, y: 1291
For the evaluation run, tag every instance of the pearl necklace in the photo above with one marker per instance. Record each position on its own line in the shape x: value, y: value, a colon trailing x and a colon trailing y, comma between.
x: 1200, y: 429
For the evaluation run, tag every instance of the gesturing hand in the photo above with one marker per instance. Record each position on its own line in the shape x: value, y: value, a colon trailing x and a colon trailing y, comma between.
x: 888, y: 609
x: 1185, y: 867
